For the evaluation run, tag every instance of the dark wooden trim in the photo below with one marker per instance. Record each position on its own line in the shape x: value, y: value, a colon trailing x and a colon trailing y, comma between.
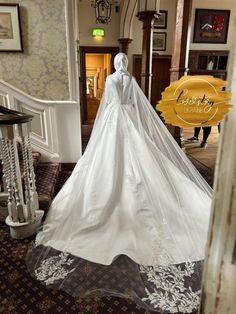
x: 91, y: 49
x: 66, y: 166
x: 99, y: 49
x: 154, y: 56
x: 160, y: 75
x: 125, y: 44
x: 195, y: 66
x: 180, y: 52
x: 9, y: 116
x: 147, y: 18
x: 181, y: 38
x: 82, y: 80
x: 186, y: 32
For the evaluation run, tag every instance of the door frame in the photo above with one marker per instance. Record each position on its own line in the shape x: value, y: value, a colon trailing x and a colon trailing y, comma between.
x: 82, y: 51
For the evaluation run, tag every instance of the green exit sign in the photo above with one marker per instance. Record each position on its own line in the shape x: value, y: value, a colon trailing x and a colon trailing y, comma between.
x: 98, y: 32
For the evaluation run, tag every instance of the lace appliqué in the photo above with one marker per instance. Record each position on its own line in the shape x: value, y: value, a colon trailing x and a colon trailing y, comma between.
x: 52, y: 268
x: 170, y: 292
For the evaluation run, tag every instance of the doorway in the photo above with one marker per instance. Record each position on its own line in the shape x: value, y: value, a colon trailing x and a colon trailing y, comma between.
x: 96, y: 63
x: 98, y: 67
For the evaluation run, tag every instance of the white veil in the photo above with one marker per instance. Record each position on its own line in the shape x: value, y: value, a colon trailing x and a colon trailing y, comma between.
x: 178, y: 198
x: 149, y: 124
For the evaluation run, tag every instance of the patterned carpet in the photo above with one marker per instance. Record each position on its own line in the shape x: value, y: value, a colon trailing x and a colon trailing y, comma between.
x: 20, y: 293
x: 207, y: 173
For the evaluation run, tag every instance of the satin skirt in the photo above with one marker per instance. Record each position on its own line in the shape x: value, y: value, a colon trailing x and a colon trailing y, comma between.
x: 128, y: 198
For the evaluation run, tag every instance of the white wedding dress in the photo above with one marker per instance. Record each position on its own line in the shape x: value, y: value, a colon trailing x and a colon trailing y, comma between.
x: 135, y: 211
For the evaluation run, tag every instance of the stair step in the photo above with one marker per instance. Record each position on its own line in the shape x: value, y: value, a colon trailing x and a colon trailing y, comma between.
x: 36, y: 160
x: 86, y: 133
x: 46, y: 179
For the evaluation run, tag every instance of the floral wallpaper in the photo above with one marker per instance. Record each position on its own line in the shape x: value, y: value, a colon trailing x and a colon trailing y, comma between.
x: 41, y: 70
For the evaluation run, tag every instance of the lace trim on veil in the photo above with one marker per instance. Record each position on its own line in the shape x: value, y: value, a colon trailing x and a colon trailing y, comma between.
x: 54, y: 268
x: 170, y: 292
x: 166, y: 287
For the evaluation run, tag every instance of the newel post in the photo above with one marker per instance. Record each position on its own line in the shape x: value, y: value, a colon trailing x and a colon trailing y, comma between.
x: 18, y: 186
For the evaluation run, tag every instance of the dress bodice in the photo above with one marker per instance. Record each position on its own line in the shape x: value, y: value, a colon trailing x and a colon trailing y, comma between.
x: 119, y: 89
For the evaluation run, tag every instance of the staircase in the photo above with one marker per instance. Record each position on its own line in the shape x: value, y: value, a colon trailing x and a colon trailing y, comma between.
x: 29, y: 181
x: 46, y: 181
x: 27, y: 184
x: 54, y: 142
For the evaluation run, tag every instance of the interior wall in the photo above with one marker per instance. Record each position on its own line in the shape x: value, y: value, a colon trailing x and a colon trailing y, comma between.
x: 216, y: 4
x: 136, y: 45
x: 170, y: 5
x: 42, y: 69
x: 224, y: 5
x: 87, y: 21
x: 94, y: 60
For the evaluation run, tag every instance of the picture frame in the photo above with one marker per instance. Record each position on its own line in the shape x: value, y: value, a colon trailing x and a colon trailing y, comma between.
x: 10, y: 28
x: 211, y: 26
x: 161, y: 22
x: 159, y: 41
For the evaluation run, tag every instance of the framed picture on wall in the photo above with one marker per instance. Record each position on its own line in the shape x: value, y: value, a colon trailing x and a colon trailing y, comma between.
x: 161, y: 22
x: 10, y: 30
x: 211, y: 26
x: 159, y: 41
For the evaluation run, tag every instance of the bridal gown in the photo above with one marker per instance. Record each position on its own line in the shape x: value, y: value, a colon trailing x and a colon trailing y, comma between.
x: 132, y: 219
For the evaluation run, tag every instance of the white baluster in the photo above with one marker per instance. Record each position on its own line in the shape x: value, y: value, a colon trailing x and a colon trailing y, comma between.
x: 8, y: 172
x: 26, y: 179
x: 31, y: 195
x: 34, y: 194
x: 3, y: 192
x: 16, y: 180
x: 4, y: 183
x: 24, y: 217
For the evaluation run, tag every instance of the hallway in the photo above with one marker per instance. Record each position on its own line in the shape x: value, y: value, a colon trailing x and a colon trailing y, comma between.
x: 54, y: 68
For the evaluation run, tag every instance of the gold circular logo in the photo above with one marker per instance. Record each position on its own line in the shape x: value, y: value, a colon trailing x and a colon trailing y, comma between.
x: 195, y: 101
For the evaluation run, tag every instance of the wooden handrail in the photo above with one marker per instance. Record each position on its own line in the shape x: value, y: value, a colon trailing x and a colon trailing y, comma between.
x: 9, y: 116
